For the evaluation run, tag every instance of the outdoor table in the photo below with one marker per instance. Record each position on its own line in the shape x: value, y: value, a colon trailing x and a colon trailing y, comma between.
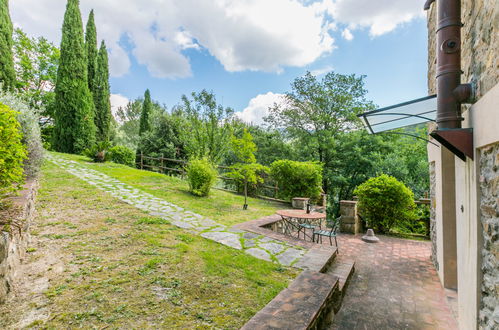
x: 293, y: 218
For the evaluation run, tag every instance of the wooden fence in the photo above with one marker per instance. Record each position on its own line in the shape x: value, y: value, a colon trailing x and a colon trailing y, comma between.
x: 268, y: 190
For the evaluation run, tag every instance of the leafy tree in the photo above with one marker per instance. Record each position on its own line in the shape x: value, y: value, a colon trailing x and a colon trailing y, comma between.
x: 128, y: 119
x: 297, y: 179
x: 145, y: 124
x: 101, y: 96
x: 7, y: 72
x: 210, y: 131
x: 316, y: 112
x: 36, y: 62
x: 246, y: 171
x: 74, y: 127
x: 92, y: 52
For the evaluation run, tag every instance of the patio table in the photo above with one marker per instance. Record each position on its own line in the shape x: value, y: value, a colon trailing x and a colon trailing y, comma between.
x: 293, y: 218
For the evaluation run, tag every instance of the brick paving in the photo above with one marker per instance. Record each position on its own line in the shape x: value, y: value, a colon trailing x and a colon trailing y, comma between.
x: 395, y: 286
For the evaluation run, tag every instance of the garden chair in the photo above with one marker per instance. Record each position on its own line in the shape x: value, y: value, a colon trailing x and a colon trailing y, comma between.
x: 302, y: 227
x: 328, y: 233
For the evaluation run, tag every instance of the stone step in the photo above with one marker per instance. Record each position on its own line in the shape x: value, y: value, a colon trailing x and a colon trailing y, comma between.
x: 306, y: 304
x: 342, y: 268
x: 318, y: 258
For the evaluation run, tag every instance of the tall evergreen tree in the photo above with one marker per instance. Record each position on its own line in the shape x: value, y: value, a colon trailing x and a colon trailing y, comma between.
x: 7, y: 72
x: 74, y: 128
x: 101, y: 95
x: 145, y: 125
x: 92, y: 52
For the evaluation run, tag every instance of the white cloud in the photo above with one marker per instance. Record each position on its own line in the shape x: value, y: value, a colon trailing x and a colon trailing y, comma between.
x: 347, y: 34
x: 258, y: 108
x: 380, y: 16
x: 321, y: 71
x: 118, y: 100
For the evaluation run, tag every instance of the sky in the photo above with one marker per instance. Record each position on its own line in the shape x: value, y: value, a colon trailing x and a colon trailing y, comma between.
x: 247, y: 52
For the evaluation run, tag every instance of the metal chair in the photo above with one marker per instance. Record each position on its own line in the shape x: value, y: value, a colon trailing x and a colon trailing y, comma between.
x: 328, y: 233
x: 302, y: 227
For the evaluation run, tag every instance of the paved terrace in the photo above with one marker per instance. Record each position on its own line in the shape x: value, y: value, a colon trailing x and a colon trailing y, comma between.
x: 395, y: 286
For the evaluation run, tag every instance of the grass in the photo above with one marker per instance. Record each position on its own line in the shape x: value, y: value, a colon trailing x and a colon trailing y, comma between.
x: 221, y: 206
x: 121, y: 268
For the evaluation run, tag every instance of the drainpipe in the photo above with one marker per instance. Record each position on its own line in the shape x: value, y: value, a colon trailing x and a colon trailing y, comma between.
x: 450, y: 92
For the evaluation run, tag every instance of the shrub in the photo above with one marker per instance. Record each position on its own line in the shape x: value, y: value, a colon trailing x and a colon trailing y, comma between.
x: 201, y: 175
x: 98, y: 152
x: 297, y: 179
x: 12, y: 151
x: 384, y: 201
x: 30, y: 127
x: 122, y: 155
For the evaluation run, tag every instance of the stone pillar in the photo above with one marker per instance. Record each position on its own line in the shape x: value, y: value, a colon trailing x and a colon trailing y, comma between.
x: 350, y: 221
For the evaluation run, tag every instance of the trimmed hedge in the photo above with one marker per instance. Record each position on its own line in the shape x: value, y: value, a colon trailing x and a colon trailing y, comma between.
x: 201, y: 175
x: 384, y: 201
x: 12, y: 152
x: 297, y: 179
x: 122, y: 155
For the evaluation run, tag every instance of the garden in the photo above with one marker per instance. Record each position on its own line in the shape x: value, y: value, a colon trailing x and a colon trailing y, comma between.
x: 122, y: 266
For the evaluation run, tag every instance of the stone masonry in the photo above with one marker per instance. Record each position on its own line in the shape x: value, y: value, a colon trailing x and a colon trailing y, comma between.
x: 433, y: 216
x: 489, y: 215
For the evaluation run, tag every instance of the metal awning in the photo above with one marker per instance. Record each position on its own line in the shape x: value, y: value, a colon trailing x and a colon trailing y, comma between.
x: 405, y: 114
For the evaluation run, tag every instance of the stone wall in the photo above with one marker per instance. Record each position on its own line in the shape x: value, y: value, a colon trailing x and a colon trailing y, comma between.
x: 479, y: 44
x: 350, y: 220
x: 489, y: 216
x: 13, y: 243
x: 433, y: 215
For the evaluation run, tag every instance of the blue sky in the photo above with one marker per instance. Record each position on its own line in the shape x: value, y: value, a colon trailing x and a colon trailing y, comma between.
x: 248, y: 52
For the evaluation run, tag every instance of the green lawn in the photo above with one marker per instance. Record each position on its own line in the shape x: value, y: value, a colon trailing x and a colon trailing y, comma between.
x: 117, y: 267
x: 221, y: 206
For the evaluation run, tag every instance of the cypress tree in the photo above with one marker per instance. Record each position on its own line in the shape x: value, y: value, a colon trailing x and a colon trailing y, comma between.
x: 74, y: 128
x: 146, y: 112
x: 91, y: 46
x: 7, y: 72
x: 101, y: 95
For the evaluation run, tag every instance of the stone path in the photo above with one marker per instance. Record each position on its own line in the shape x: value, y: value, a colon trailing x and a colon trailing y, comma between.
x: 395, y: 286
x: 258, y: 246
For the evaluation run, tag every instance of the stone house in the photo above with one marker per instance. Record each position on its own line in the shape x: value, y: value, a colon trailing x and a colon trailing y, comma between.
x: 465, y: 194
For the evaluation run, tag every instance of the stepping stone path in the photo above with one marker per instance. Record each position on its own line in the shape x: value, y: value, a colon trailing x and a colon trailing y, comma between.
x: 259, y: 246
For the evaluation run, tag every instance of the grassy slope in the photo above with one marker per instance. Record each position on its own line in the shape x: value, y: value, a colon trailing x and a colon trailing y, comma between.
x: 122, y: 268
x: 220, y: 206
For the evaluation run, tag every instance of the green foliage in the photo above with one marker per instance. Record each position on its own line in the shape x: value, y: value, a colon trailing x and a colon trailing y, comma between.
x: 297, y: 179
x: 201, y: 175
x: 31, y: 136
x: 128, y: 117
x: 12, y: 151
x: 74, y: 128
x: 7, y: 72
x: 122, y: 155
x: 101, y: 95
x: 145, y: 124
x: 210, y: 127
x: 91, y: 48
x: 384, y: 201
x: 244, y: 148
x: 252, y: 173
x: 36, y: 63
x: 99, y: 152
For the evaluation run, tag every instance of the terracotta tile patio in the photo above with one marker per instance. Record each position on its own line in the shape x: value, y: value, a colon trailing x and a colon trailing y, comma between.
x: 395, y: 286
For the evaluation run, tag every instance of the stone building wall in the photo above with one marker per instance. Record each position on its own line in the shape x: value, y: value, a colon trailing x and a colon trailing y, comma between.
x: 433, y: 215
x: 479, y: 44
x: 489, y: 216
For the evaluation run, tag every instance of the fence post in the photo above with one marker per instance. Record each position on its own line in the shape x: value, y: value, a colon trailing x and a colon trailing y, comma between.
x: 141, y: 161
x: 161, y: 170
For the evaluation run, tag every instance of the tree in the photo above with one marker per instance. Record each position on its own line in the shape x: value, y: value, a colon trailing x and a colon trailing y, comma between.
x: 7, y: 72
x: 316, y: 112
x: 210, y: 131
x: 145, y: 124
x: 36, y: 63
x: 92, y: 52
x: 101, y: 96
x: 74, y: 128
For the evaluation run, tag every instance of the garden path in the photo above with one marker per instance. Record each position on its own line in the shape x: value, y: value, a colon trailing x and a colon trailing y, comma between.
x: 258, y: 246
x: 395, y: 286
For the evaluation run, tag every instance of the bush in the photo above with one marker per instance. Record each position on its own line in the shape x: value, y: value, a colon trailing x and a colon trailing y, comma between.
x: 384, y: 202
x: 98, y: 152
x: 30, y: 127
x: 297, y: 179
x: 12, y: 152
x: 122, y: 155
x: 201, y: 175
